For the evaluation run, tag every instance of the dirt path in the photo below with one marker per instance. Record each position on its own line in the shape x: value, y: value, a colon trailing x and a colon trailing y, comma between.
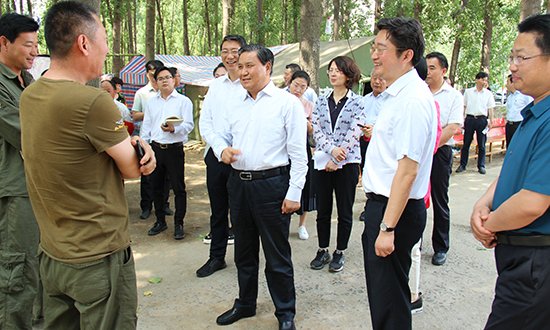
x: 457, y: 295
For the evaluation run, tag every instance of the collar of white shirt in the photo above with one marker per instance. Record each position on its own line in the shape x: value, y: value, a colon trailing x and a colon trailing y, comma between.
x: 268, y: 90
x: 401, y: 82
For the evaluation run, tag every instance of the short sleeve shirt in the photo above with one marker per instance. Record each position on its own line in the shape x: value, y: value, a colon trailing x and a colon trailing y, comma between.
x: 526, y: 163
x: 478, y: 103
x: 75, y: 187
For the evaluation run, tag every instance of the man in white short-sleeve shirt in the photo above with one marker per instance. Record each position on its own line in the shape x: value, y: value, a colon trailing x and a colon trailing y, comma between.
x: 478, y: 107
x: 451, y: 106
x: 397, y: 171
x: 514, y: 104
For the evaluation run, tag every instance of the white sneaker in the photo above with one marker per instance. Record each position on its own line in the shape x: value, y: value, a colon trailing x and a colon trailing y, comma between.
x: 302, y: 232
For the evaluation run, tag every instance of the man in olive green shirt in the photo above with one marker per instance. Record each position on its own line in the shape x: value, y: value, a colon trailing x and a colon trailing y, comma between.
x: 19, y: 234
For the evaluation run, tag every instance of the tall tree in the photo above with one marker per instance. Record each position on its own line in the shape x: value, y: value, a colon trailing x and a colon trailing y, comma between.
x: 377, y: 14
x: 150, y: 30
x: 117, y: 33
x: 418, y: 6
x: 207, y: 23
x: 528, y: 8
x: 310, y: 43
x: 336, y: 20
x: 260, y: 16
x: 458, y: 18
x: 161, y: 21
x: 29, y: 7
x: 226, y: 17
x: 487, y: 37
x: 186, y: 48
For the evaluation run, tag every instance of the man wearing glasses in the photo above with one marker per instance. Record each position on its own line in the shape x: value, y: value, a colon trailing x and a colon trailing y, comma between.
x: 513, y: 215
x: 478, y: 106
x: 167, y: 139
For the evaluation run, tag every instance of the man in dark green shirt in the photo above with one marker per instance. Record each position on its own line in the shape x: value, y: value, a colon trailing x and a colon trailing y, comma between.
x: 19, y: 234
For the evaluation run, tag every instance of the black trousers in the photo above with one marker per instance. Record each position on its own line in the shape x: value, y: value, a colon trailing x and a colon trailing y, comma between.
x: 388, y: 278
x: 343, y: 183
x: 441, y: 173
x: 364, y: 145
x: 511, y: 128
x: 522, y: 289
x: 471, y: 125
x: 146, y: 190
x: 171, y: 162
x: 217, y: 174
x: 255, y: 208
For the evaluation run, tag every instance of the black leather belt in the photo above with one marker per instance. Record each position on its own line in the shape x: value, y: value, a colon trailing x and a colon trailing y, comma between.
x: 167, y: 145
x: 476, y: 117
x: 523, y: 240
x: 255, y: 175
x: 513, y: 122
x: 378, y: 198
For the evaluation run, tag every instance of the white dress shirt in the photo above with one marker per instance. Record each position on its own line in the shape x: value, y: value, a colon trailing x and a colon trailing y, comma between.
x: 371, y: 106
x: 158, y: 109
x: 478, y: 103
x: 124, y: 112
x: 406, y: 126
x: 515, y: 103
x: 213, y: 110
x: 451, y: 107
x: 269, y: 131
x: 142, y: 96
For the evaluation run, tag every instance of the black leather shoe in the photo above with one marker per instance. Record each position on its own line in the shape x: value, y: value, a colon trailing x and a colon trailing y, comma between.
x: 482, y: 170
x: 287, y: 325
x: 167, y: 211
x: 157, y: 229
x: 439, y: 258
x: 362, y: 216
x: 178, y: 232
x: 145, y: 214
x: 233, y: 315
x: 211, y: 266
x: 460, y: 169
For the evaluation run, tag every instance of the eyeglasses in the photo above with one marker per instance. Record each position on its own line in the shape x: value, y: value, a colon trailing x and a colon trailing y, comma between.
x: 230, y: 51
x: 336, y: 71
x: 381, y: 51
x: 517, y: 60
x: 298, y: 87
x: 161, y: 79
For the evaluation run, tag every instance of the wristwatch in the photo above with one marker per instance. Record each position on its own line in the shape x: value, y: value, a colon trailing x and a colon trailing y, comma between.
x: 385, y: 228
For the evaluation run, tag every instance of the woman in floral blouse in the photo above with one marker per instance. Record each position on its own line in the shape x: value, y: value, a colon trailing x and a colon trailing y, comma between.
x: 336, y: 123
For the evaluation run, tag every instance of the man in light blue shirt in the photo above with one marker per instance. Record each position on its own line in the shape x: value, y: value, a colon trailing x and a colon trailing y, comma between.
x: 514, y: 104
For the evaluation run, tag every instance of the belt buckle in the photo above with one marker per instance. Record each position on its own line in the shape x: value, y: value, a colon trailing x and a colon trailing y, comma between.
x: 245, y: 176
x: 163, y: 146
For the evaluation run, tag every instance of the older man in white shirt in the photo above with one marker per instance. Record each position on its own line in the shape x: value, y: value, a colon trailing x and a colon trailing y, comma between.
x: 167, y: 139
x: 266, y: 146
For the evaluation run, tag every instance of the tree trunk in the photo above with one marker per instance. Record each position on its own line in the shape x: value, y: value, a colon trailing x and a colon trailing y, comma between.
x: 117, y: 33
x: 284, y: 39
x: 207, y: 21
x: 162, y: 27
x: 29, y: 7
x: 377, y: 14
x: 186, y: 50
x: 131, y: 43
x: 528, y: 8
x: 418, y: 7
x: 296, y: 19
x: 150, y: 31
x: 226, y: 11
x: 260, y: 29
x: 336, y: 20
x: 458, y: 41
x: 310, y: 44
x: 487, y: 36
x: 21, y: 7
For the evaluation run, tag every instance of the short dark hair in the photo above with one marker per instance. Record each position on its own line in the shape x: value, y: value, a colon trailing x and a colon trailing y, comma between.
x: 510, y: 78
x: 443, y: 63
x: 13, y: 24
x: 216, y: 68
x: 349, y: 68
x: 118, y: 81
x: 300, y: 74
x: 293, y: 67
x: 482, y: 75
x: 233, y: 37
x: 539, y: 25
x: 110, y: 82
x: 153, y: 65
x: 264, y: 54
x: 422, y: 68
x: 173, y: 71
x: 404, y: 33
x: 159, y: 70
x: 64, y: 22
